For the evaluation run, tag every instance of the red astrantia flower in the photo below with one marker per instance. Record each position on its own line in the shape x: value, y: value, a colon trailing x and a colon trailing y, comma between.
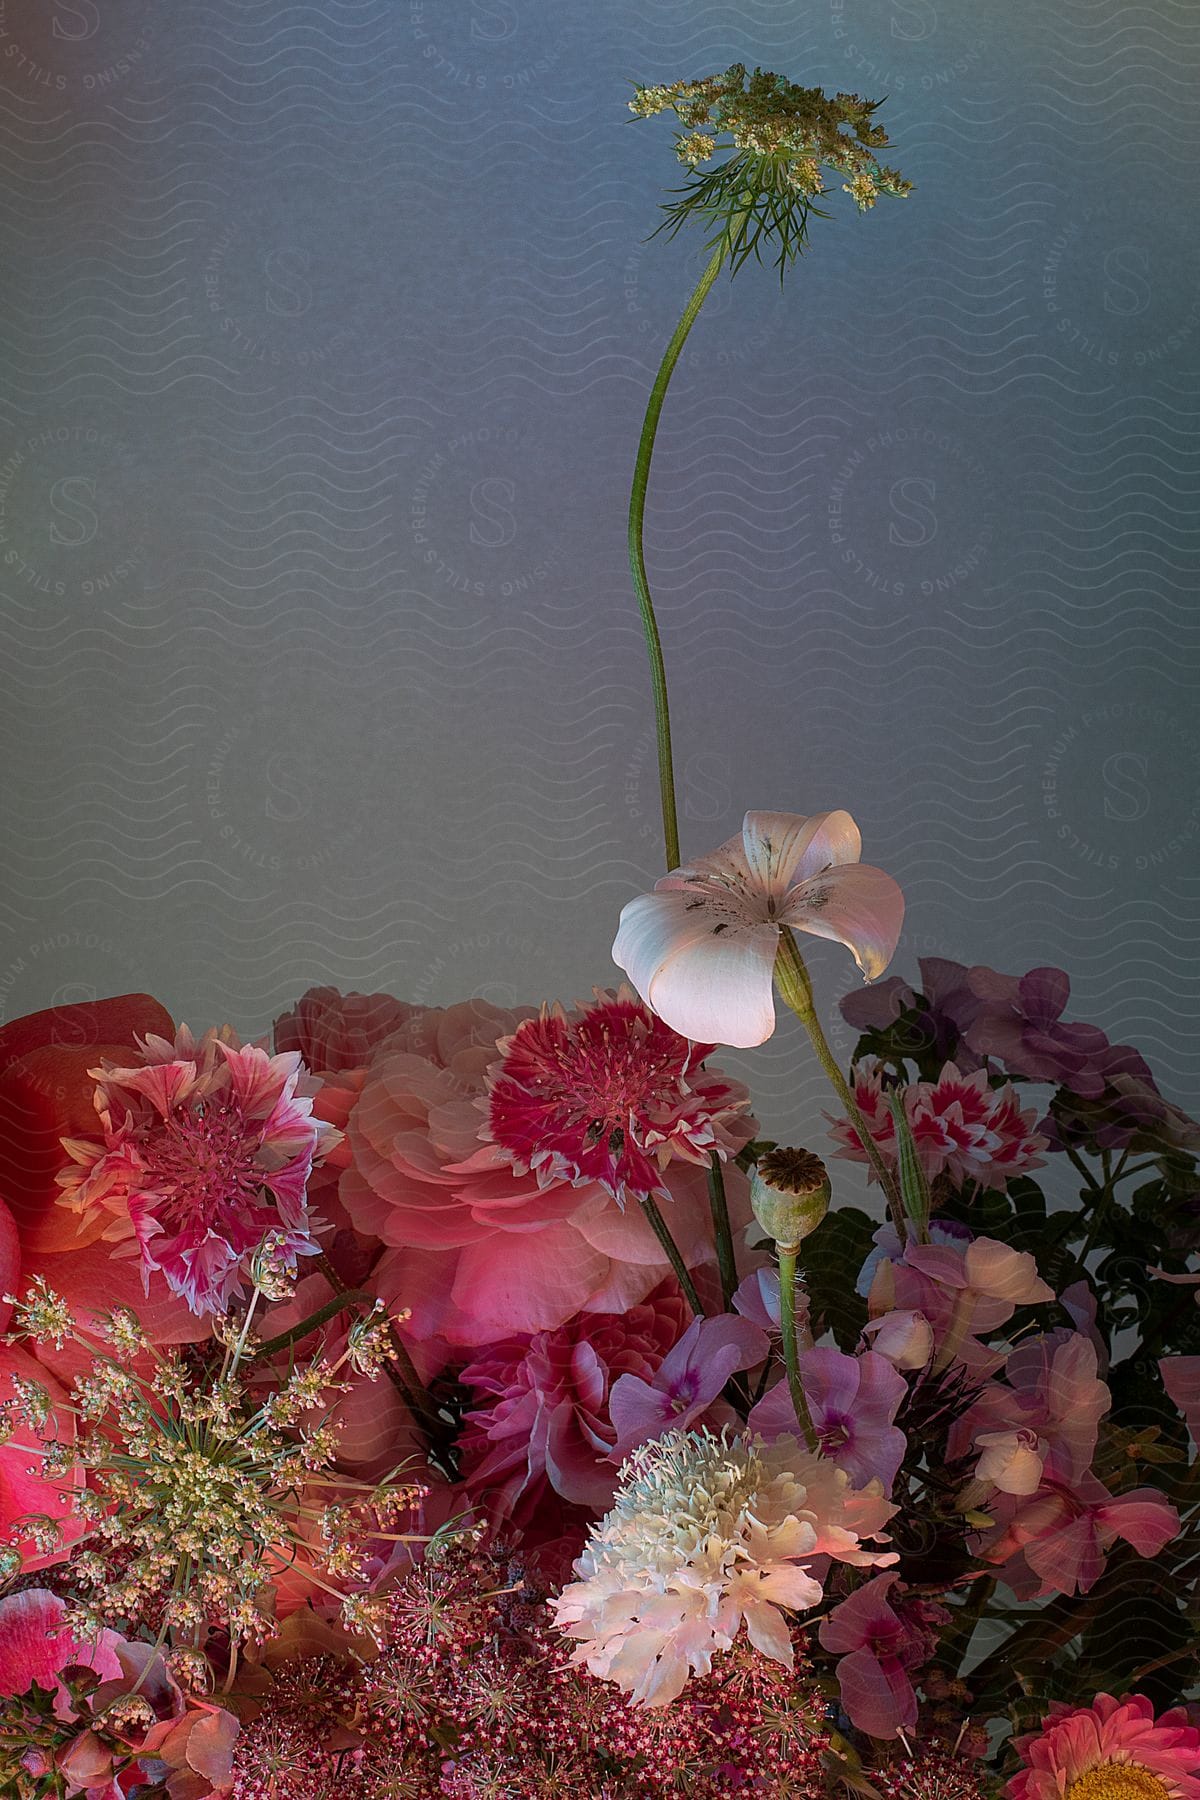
x: 205, y: 1149
x: 610, y: 1094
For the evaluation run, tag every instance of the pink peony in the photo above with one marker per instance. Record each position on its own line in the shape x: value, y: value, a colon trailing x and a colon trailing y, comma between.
x: 961, y: 1126
x: 1111, y: 1750
x: 546, y: 1422
x: 483, y: 1251
x: 610, y: 1094
x: 701, y: 948
x: 206, y: 1149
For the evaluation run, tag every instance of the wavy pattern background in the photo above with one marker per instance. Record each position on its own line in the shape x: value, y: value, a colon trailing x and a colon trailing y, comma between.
x: 329, y: 326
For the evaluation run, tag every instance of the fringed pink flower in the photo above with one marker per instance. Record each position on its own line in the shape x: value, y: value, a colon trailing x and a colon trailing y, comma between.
x: 205, y: 1150
x: 1111, y: 1750
x: 701, y: 948
x: 610, y: 1094
x: 960, y: 1126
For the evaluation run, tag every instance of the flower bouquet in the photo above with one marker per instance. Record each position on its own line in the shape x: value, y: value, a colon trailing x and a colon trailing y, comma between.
x: 458, y: 1401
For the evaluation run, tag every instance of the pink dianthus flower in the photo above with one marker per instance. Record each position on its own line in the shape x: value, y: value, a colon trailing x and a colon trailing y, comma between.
x: 961, y: 1126
x: 610, y: 1094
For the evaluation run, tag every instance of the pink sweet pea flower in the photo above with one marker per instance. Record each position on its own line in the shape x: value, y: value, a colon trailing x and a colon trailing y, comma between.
x: 686, y: 1383
x: 853, y: 1401
x: 1056, y: 1541
x: 1051, y: 1392
x: 1011, y: 1460
x: 1181, y: 1378
x: 904, y: 1336
x: 701, y: 948
x: 876, y: 1647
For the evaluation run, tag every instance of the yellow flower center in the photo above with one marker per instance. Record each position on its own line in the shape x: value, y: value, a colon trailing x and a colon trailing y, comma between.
x: 1118, y: 1781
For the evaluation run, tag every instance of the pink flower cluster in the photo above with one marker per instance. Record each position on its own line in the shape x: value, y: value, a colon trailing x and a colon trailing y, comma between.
x: 961, y: 1126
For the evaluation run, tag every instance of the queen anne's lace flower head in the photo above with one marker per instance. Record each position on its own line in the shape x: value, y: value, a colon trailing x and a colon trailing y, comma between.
x: 710, y: 1532
x: 781, y: 137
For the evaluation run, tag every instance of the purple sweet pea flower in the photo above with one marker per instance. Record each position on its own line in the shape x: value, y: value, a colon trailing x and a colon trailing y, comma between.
x: 853, y: 1401
x: 687, y: 1381
x: 945, y: 1005
x: 1020, y: 1023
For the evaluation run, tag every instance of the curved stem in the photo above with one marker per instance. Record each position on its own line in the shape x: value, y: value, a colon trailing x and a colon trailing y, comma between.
x: 637, y: 558
x: 791, y: 978
x: 791, y: 1348
x: 339, y: 1303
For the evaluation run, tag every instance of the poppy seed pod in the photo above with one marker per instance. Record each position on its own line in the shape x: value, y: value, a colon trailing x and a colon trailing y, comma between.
x: 789, y: 1193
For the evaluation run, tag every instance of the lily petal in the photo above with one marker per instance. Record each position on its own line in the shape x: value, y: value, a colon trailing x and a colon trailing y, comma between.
x: 709, y: 981
x: 856, y: 905
x: 783, y: 848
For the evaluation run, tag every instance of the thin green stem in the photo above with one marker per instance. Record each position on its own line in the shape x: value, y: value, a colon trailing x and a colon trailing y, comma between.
x: 339, y: 1303
x: 722, y: 1230
x: 637, y: 555
x: 791, y: 978
x: 402, y: 1373
x: 658, y: 1225
x: 791, y: 1347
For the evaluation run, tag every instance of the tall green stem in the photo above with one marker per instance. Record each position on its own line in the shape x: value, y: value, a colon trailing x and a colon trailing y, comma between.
x: 662, y: 722
x: 791, y: 1347
x: 671, y: 1249
x: 791, y: 978
x: 722, y: 1230
x: 637, y: 556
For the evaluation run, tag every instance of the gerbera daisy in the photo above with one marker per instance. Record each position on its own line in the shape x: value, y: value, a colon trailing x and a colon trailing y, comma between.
x: 1111, y: 1750
x: 610, y: 1094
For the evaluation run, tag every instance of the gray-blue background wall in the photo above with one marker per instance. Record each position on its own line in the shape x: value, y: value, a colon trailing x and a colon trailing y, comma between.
x: 329, y: 330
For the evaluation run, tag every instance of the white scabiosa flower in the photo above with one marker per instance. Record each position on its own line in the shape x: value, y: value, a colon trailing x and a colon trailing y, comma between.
x: 709, y: 1532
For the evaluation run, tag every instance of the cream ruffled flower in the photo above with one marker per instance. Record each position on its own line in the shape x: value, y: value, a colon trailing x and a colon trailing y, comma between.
x: 709, y: 1532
